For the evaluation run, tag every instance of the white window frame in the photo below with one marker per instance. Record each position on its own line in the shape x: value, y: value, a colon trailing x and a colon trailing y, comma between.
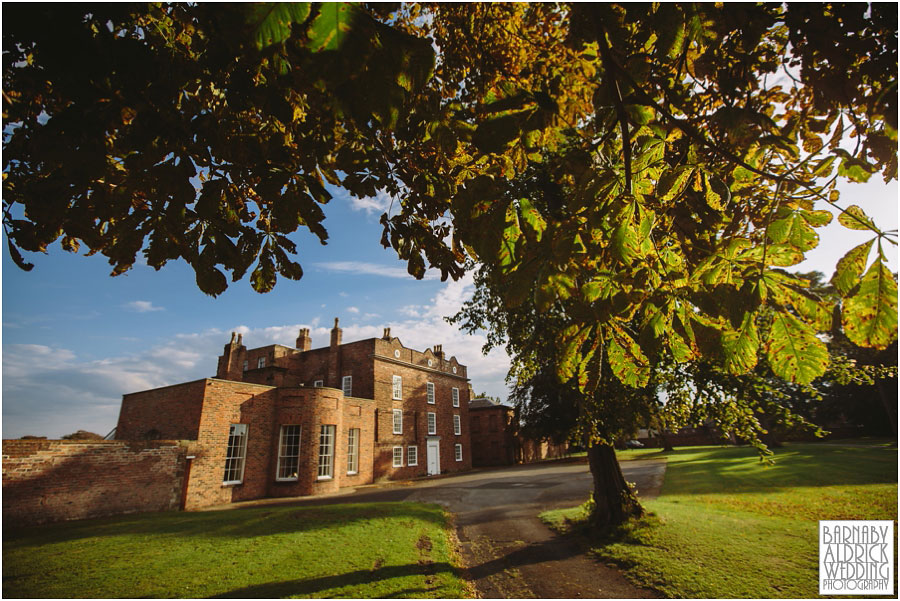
x: 353, y: 451
x: 347, y: 385
x: 235, y: 454
x: 432, y: 423
x: 454, y: 392
x: 412, y: 455
x: 318, y: 383
x: 286, y: 460
x: 457, y: 452
x: 457, y: 425
x: 246, y: 365
x: 397, y: 421
x: 429, y: 388
x: 326, y: 452
x: 260, y: 363
x: 398, y: 457
x: 397, y: 388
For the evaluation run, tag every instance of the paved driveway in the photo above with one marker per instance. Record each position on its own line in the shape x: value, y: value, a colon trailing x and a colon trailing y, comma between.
x: 508, y: 551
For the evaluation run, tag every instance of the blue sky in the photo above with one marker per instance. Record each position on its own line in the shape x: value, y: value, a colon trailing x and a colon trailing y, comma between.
x: 74, y: 340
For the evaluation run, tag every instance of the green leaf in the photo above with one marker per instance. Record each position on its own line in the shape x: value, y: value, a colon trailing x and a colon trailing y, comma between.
x: 625, y: 245
x: 263, y: 277
x: 532, y: 218
x: 851, y: 267
x: 627, y: 360
x: 640, y: 114
x: 717, y: 193
x: 785, y: 289
x: 672, y: 183
x: 794, y: 351
x: 794, y: 230
x: 17, y: 256
x: 857, y: 170
x: 780, y: 230
x: 855, y: 218
x: 330, y: 28
x: 271, y: 22
x: 511, y: 233
x: 210, y: 280
x: 870, y: 315
x: 816, y: 218
x: 740, y: 346
x: 572, y: 339
x: 782, y: 255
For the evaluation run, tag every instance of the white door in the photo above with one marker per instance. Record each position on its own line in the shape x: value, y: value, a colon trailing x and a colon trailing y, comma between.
x: 433, y: 451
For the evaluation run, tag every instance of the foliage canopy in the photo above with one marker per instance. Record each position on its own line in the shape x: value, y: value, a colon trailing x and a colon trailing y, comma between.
x: 646, y: 172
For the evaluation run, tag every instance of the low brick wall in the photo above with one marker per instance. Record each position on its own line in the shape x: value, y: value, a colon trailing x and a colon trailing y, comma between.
x: 54, y: 480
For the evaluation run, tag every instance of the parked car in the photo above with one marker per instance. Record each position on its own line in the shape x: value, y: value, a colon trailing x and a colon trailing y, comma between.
x: 634, y: 444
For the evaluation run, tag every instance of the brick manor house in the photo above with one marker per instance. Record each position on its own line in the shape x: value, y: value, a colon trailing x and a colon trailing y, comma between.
x: 278, y: 421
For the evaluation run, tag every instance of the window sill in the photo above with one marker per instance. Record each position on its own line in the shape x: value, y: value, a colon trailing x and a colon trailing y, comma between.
x: 324, y: 478
x: 286, y: 480
x: 352, y: 473
x: 237, y: 483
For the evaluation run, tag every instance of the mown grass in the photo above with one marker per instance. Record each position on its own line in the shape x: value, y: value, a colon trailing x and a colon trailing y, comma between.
x: 727, y: 526
x: 374, y: 550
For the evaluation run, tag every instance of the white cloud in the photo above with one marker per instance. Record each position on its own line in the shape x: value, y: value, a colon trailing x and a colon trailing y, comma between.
x: 410, y: 310
x: 352, y: 310
x: 360, y: 268
x: 141, y: 306
x: 377, y: 204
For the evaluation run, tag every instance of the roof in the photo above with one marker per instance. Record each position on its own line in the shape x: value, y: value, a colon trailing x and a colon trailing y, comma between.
x: 483, y: 403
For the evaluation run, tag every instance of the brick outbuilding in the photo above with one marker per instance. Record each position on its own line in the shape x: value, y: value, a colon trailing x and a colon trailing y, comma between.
x: 281, y: 421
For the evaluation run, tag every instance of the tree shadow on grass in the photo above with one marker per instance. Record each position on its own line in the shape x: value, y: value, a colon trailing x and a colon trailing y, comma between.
x: 314, y: 587
x: 737, y: 469
x: 557, y: 548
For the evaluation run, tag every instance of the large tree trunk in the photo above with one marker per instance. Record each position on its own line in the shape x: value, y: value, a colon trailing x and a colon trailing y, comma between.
x: 614, y: 501
x: 889, y: 407
x: 665, y: 442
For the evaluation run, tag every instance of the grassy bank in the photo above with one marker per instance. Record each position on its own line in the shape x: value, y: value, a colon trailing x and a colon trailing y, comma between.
x: 726, y: 525
x: 355, y: 551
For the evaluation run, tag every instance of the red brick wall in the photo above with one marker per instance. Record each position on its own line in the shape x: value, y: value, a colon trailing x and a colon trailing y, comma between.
x: 360, y: 414
x: 493, y: 441
x: 265, y: 409
x: 225, y: 403
x: 54, y: 480
x: 412, y: 367
x: 168, y: 413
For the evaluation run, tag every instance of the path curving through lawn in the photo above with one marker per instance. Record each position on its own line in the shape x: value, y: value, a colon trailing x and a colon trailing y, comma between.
x: 510, y: 553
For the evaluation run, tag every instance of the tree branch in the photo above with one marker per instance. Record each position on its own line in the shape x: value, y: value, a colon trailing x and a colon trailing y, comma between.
x: 609, y: 66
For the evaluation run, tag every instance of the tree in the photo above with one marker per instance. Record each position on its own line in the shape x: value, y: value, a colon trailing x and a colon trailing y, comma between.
x: 641, y: 171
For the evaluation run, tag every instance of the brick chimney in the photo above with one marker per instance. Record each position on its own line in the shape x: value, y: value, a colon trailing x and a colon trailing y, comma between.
x: 231, y: 362
x: 387, y: 334
x: 335, y: 334
x: 304, y: 342
x: 439, y: 351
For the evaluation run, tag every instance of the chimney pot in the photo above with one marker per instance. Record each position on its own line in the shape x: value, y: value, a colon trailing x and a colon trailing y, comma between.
x: 304, y: 342
x: 336, y: 334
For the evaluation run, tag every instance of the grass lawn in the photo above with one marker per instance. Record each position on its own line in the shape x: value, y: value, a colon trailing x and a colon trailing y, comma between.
x: 357, y: 551
x: 727, y: 526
